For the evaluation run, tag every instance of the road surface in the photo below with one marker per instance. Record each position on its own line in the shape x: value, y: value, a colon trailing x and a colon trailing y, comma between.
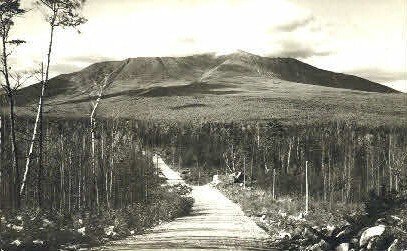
x: 214, y: 223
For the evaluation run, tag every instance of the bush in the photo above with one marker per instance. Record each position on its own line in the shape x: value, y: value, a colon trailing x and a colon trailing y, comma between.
x: 48, y: 230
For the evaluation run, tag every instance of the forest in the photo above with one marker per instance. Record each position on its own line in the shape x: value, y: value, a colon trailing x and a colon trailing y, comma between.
x: 345, y: 161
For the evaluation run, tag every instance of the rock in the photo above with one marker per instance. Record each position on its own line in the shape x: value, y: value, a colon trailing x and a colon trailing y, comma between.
x: 342, y: 247
x: 284, y: 235
x: 16, y: 243
x: 108, y: 230
x: 330, y: 229
x: 396, y: 218
x: 307, y: 234
x: 354, y: 242
x: 380, y: 221
x: 38, y: 242
x: 185, y: 171
x: 282, y: 214
x: 15, y: 227
x: 299, y: 217
x: 371, y: 243
x: 82, y: 231
x: 322, y: 245
x: 297, y: 231
x: 215, y: 180
x: 393, y: 246
x: 47, y: 223
x: 370, y: 233
x: 132, y: 232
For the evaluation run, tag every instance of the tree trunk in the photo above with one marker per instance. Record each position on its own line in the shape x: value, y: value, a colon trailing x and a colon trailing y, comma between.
x: 290, y: 146
x: 244, y: 171
x: 274, y: 183
x: 306, y: 188
x: 389, y: 164
x: 14, y: 150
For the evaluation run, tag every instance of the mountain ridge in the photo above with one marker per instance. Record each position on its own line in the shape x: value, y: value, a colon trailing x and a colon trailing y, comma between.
x: 204, y: 67
x: 234, y: 87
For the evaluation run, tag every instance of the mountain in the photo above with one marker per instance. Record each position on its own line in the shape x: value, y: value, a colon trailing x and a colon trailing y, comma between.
x: 197, y: 84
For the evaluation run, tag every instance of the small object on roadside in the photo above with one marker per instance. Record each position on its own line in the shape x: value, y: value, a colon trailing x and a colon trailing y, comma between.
x: 238, y: 177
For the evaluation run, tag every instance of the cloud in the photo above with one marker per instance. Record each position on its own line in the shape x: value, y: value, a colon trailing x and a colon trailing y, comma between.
x: 63, y: 68
x: 296, y: 49
x: 187, y: 40
x: 379, y: 75
x: 87, y: 59
x: 295, y: 24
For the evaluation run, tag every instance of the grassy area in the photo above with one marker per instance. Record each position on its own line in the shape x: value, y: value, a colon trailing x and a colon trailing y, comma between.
x: 366, y: 109
x: 34, y: 229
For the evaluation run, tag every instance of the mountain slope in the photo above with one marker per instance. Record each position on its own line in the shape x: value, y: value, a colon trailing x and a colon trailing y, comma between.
x: 237, y: 86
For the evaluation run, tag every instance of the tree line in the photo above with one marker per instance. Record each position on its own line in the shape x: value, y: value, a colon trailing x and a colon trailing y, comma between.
x: 345, y: 161
x: 111, y: 169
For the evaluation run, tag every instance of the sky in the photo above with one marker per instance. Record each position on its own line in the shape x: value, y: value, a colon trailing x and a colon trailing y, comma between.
x: 367, y: 38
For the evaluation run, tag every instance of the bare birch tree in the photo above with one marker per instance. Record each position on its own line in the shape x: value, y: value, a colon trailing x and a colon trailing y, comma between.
x: 33, y: 138
x: 9, y: 11
x: 98, y: 93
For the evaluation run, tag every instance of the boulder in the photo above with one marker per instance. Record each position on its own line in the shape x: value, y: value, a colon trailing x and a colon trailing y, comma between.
x: 230, y: 179
x: 215, y: 180
x: 372, y: 244
x: 47, y: 223
x: 284, y: 235
x: 16, y: 243
x: 342, y: 247
x: 322, y: 245
x: 370, y: 233
x: 329, y: 229
x: 38, y: 242
x: 82, y: 231
x: 109, y: 230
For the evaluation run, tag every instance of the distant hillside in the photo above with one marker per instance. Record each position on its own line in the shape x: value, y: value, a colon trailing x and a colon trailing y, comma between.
x: 229, y: 87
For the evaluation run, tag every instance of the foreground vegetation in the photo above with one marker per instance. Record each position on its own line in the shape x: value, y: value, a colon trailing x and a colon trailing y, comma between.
x: 324, y: 227
x: 37, y: 229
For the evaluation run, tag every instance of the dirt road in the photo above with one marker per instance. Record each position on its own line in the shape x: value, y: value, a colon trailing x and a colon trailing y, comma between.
x: 214, y: 223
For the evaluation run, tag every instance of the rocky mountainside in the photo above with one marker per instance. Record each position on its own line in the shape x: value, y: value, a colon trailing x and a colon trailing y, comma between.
x: 238, y: 86
x: 194, y: 75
